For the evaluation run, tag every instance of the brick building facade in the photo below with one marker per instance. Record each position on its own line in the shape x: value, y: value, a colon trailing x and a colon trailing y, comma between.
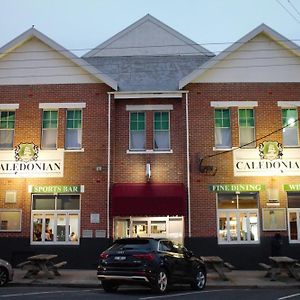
x: 149, y: 141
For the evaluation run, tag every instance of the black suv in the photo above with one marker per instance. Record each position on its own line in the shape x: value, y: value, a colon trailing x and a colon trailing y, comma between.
x: 152, y: 262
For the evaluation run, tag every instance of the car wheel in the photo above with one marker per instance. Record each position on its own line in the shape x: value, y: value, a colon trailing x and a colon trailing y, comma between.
x: 109, y: 287
x: 199, y: 280
x: 161, y: 283
x: 3, y: 276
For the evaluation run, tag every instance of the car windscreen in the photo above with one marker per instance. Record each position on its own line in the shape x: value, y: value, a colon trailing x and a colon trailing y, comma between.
x: 131, y: 245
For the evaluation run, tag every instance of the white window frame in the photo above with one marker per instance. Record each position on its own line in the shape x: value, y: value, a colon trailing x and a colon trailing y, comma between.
x: 66, y: 130
x: 252, y: 145
x: 55, y: 213
x: 145, y: 130
x: 9, y: 129
x: 297, y: 211
x: 296, y: 124
x: 237, y: 211
x: 49, y: 129
x: 169, y: 131
x: 20, y: 219
x: 215, y: 130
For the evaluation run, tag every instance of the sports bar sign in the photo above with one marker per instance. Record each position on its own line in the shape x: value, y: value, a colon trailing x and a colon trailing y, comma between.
x: 28, y: 161
x: 268, y: 160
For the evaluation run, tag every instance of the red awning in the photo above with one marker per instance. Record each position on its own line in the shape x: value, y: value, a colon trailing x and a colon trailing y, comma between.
x: 148, y: 199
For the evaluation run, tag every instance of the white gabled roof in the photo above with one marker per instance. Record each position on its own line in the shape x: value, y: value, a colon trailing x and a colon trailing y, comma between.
x: 32, y: 32
x: 210, y: 64
x: 148, y: 36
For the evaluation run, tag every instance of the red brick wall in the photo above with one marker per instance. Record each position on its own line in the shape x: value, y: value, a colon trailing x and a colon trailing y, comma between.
x: 79, y: 167
x: 165, y: 168
x: 201, y: 118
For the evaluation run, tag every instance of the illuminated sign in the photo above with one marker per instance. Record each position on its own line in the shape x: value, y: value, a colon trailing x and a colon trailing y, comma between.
x: 236, y: 187
x: 28, y: 161
x: 56, y: 189
x: 268, y: 161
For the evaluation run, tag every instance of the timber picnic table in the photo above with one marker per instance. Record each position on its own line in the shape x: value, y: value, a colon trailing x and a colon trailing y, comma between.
x: 41, y: 262
x: 283, y: 264
x: 217, y: 264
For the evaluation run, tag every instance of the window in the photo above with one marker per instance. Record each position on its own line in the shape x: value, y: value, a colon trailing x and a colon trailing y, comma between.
x: 294, y: 216
x: 290, y: 124
x: 237, y: 218
x: 137, y: 131
x: 161, y: 131
x: 74, y: 129
x: 10, y: 220
x: 222, y: 129
x: 55, y: 219
x: 7, y: 128
x: 49, y: 129
x: 247, y: 128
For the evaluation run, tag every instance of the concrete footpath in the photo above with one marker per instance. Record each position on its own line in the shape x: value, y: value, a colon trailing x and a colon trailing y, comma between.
x: 88, y: 278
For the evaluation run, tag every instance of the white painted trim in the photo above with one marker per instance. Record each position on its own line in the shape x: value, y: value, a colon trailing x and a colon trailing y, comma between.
x: 13, y: 106
x: 233, y: 103
x: 108, y: 167
x: 150, y: 95
x: 288, y: 103
x: 148, y: 107
x: 62, y: 105
x: 74, y: 150
x: 150, y: 151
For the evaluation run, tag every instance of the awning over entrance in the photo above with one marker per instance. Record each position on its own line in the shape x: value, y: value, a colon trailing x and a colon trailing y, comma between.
x: 148, y: 199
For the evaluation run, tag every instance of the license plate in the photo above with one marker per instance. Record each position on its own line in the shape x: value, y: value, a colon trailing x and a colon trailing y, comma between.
x: 120, y: 257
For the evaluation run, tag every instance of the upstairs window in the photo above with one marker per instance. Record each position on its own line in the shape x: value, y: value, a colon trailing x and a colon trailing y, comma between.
x: 290, y: 130
x: 247, y: 128
x: 137, y: 131
x: 161, y: 131
x: 74, y: 129
x: 7, y: 129
x: 222, y: 129
x: 49, y: 129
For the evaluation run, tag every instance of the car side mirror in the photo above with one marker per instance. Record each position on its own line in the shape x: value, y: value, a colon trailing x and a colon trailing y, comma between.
x: 188, y: 253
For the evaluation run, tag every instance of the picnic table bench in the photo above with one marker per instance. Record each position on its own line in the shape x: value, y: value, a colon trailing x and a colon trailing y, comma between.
x: 41, y: 262
x: 280, y: 264
x: 217, y: 264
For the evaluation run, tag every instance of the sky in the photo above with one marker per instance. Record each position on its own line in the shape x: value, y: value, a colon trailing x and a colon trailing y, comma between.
x: 84, y: 24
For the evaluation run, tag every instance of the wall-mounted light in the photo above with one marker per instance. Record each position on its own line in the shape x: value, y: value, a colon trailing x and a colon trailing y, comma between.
x: 148, y: 171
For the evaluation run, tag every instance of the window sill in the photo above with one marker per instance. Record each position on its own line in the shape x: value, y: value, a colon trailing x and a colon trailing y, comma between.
x: 224, y: 149
x: 239, y: 243
x: 149, y: 152
x: 74, y: 150
x: 49, y: 243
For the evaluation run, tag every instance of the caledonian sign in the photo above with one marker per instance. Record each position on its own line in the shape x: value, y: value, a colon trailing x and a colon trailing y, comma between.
x: 268, y: 160
x: 28, y: 161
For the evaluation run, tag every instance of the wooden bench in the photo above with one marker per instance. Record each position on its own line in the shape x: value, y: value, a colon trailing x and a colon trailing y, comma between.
x: 229, y: 265
x: 265, y: 266
x: 56, y: 266
x: 24, y: 263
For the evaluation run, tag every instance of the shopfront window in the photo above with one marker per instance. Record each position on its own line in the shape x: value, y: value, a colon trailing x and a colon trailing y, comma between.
x: 156, y: 227
x: 222, y: 129
x: 10, y: 220
x: 294, y: 216
x: 55, y: 219
x: 238, y: 218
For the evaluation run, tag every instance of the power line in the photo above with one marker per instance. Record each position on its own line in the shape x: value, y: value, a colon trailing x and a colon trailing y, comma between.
x: 288, y: 11
x: 294, y: 7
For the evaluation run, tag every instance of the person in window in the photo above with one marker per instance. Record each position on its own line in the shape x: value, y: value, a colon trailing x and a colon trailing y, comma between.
x: 73, y: 237
x: 37, y: 235
x: 276, y: 245
x: 49, y: 235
